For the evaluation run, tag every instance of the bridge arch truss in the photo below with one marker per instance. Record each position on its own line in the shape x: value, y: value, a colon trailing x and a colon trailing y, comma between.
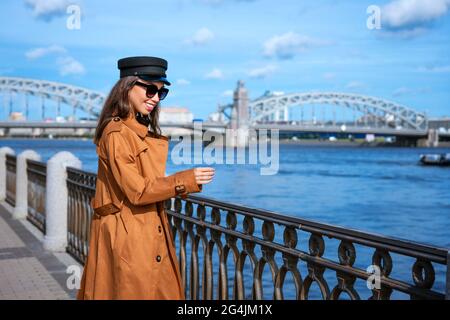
x: 83, y: 99
x: 385, y: 113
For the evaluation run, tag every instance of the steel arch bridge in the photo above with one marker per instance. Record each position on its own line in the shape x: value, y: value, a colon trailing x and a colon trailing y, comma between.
x: 376, y: 111
x: 87, y: 100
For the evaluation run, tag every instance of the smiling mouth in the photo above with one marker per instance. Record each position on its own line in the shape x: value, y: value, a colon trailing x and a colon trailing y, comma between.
x: 149, y: 105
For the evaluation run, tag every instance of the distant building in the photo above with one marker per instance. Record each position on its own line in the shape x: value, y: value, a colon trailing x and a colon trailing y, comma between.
x: 175, y: 115
x: 441, y: 124
x: 16, y: 116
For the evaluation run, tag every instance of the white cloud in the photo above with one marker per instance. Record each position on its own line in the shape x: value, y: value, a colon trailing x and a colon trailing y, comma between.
x: 355, y: 85
x: 215, y: 74
x: 435, y: 69
x: 201, y: 37
x: 262, y: 72
x: 412, y: 14
x: 70, y: 66
x: 403, y: 91
x: 287, y: 45
x: 67, y: 65
x: 183, y: 82
x: 48, y: 9
x: 41, y: 52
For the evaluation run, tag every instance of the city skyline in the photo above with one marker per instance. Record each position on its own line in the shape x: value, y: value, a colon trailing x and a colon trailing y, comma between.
x: 292, y: 47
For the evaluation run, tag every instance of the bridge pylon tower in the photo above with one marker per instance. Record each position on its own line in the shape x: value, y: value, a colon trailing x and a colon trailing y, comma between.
x: 239, y: 116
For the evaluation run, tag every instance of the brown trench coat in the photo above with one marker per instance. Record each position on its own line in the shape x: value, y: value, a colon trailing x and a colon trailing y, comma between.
x: 131, y: 252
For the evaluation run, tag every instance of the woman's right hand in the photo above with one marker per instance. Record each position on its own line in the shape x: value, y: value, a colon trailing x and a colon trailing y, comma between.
x: 204, y: 175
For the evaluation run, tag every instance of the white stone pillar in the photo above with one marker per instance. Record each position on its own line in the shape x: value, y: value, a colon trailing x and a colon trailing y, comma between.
x: 286, y: 113
x: 242, y: 136
x: 433, y: 138
x: 277, y: 115
x: 21, y: 208
x: 3, y: 152
x: 56, y: 199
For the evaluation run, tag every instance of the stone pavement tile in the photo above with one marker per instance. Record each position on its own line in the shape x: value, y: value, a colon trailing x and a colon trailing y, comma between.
x: 26, y: 277
x: 11, y: 253
x: 27, y: 270
x: 8, y: 238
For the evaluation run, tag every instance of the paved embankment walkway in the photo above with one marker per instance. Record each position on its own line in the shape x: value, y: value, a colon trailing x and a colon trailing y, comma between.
x: 27, y: 271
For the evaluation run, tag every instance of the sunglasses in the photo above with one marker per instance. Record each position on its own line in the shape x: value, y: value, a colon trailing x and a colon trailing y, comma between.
x: 151, y: 90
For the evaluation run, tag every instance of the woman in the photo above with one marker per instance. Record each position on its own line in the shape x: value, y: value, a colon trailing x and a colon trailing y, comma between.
x: 131, y: 252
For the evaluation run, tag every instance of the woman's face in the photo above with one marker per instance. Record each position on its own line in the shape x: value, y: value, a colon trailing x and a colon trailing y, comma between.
x: 140, y: 102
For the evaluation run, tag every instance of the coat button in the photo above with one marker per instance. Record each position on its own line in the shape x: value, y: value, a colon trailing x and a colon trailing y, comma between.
x: 180, y: 189
x: 158, y: 258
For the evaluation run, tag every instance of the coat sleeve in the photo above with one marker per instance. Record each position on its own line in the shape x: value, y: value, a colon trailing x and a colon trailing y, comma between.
x: 142, y: 190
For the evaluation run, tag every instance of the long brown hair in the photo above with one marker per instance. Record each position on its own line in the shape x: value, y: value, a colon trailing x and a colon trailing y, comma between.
x: 117, y: 105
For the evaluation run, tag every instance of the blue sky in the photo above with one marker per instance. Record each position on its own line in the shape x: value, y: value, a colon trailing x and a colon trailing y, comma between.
x: 289, y: 46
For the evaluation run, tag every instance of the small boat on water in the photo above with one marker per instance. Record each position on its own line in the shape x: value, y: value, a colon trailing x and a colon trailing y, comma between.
x: 442, y: 159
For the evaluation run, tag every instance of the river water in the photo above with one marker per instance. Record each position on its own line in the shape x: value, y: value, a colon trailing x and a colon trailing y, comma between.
x: 380, y: 190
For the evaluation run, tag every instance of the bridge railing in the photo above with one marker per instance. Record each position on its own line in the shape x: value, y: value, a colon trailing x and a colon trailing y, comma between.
x: 37, y: 173
x: 230, y: 251
x: 81, y: 189
x: 11, y: 164
x: 246, y: 252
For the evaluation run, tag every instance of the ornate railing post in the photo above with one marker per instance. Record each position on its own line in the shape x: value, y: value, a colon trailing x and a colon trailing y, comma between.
x: 56, y: 200
x: 21, y: 208
x: 81, y: 190
x: 3, y: 152
x: 37, y: 173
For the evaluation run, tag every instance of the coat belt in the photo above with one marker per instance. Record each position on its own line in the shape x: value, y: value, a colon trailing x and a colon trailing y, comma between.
x: 111, y: 208
x: 107, y: 209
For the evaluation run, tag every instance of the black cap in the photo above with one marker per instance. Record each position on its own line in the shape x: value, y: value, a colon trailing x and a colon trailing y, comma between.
x: 146, y: 68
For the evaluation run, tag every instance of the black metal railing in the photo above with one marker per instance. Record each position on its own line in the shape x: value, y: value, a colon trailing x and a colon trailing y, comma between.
x: 81, y: 189
x: 230, y: 251
x: 246, y: 253
x: 11, y: 164
x: 36, y: 172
